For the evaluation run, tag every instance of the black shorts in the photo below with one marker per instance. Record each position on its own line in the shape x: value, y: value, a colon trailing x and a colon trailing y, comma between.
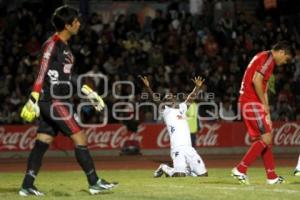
x: 57, y: 116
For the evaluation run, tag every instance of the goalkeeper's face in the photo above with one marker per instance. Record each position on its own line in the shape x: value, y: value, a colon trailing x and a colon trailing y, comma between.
x: 74, y: 27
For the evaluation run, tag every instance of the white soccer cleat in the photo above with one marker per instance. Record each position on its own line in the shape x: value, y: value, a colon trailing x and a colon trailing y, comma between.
x: 159, y: 171
x: 33, y: 191
x: 278, y: 180
x: 296, y: 172
x: 100, y: 186
x: 241, y: 177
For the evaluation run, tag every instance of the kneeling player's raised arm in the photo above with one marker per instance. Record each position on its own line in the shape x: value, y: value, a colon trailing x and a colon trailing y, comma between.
x: 149, y: 89
x: 198, y: 84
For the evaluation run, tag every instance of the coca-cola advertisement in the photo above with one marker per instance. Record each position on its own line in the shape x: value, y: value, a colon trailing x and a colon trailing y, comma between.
x: 150, y: 136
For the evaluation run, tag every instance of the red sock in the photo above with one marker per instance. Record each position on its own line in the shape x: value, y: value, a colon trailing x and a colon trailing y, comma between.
x: 269, y: 164
x: 254, y: 151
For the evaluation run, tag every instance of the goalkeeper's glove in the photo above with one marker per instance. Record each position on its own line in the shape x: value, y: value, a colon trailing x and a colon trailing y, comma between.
x: 31, y: 110
x: 96, y: 100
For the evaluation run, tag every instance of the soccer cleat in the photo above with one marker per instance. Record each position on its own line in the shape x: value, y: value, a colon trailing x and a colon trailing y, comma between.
x: 32, y: 191
x: 278, y: 180
x: 241, y: 177
x: 101, y: 186
x: 203, y: 175
x: 296, y: 172
x: 158, y: 172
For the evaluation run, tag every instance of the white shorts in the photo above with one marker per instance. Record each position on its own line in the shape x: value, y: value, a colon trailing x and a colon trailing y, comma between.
x: 187, y: 160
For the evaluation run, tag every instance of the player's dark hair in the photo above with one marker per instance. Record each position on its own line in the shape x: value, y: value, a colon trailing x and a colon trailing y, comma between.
x: 63, y: 15
x: 166, y: 96
x: 283, y: 45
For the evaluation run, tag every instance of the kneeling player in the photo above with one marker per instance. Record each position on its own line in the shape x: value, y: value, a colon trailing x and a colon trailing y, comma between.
x: 186, y: 160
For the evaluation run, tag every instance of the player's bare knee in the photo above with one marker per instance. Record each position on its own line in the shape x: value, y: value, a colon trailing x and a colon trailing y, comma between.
x: 44, y: 138
x: 179, y: 174
x: 79, y: 138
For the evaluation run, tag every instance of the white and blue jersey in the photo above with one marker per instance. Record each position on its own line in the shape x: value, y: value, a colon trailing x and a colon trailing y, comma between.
x: 177, y: 125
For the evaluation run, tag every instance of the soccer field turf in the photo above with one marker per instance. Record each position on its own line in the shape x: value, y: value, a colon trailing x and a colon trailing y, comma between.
x: 139, y: 185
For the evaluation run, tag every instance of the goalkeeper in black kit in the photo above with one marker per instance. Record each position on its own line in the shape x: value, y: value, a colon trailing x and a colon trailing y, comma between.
x: 49, y: 102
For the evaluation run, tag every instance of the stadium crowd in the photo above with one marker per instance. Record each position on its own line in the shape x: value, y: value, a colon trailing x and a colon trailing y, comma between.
x: 172, y: 47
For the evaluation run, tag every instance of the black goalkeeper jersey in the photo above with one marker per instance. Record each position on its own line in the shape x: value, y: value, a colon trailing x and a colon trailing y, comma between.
x: 54, y: 80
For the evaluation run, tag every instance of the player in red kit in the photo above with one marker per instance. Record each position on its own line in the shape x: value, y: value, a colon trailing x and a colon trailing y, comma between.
x: 255, y: 110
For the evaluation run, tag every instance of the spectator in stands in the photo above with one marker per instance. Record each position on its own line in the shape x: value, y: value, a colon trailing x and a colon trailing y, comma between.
x: 226, y: 111
x: 169, y: 47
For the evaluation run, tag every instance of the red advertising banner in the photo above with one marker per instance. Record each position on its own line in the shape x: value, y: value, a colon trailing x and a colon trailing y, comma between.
x: 150, y: 136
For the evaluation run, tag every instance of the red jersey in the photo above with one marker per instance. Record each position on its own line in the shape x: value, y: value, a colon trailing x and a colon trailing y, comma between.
x: 262, y: 63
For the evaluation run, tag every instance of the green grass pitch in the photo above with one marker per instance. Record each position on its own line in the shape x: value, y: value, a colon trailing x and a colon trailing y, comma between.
x: 139, y: 185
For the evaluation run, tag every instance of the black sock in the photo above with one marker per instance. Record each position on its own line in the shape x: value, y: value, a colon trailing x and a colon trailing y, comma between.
x: 34, y: 163
x: 86, y: 162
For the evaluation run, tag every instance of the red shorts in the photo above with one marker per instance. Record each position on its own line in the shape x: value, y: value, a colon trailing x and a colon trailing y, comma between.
x: 255, y: 119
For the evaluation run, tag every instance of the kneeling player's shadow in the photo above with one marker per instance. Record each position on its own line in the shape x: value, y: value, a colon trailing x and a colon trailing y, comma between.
x: 9, y: 190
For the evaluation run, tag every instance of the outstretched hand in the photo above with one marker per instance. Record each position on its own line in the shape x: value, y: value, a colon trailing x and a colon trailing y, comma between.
x: 198, y: 81
x: 96, y: 100
x: 145, y: 80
